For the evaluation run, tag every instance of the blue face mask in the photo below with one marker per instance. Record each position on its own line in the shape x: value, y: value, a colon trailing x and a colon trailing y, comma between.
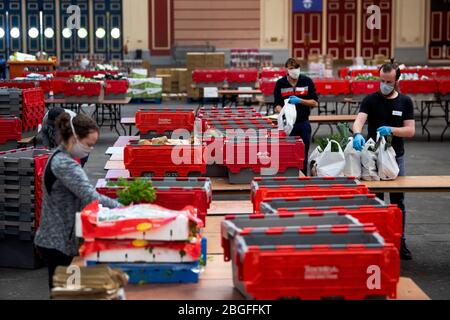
x: 386, y: 89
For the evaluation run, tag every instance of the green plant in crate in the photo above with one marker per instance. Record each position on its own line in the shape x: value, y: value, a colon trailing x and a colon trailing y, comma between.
x: 135, y: 191
x: 340, y: 137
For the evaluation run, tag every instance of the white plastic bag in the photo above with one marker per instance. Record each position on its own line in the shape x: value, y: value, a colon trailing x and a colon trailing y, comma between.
x: 313, y: 161
x: 387, y: 164
x: 369, y: 162
x: 287, y: 117
x: 331, y: 164
x: 352, y: 161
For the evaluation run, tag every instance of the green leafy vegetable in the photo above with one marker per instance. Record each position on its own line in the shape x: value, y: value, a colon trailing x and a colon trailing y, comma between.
x: 136, y: 191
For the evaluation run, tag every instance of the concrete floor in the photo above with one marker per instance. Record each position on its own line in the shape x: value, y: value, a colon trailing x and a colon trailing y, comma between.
x: 428, y: 220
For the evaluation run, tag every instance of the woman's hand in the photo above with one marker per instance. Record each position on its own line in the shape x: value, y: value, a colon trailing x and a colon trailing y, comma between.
x: 278, y: 109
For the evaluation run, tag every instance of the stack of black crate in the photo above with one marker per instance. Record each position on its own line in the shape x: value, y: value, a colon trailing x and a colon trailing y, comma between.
x: 17, y: 208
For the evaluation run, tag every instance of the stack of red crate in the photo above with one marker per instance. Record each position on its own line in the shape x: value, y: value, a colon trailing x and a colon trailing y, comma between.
x: 209, y: 77
x: 242, y: 76
x: 33, y: 108
x: 89, y: 90
x: 301, y: 232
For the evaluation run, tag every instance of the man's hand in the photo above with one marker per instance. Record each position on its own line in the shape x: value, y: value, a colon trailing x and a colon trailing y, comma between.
x: 385, y: 131
x: 278, y: 109
x: 294, y: 100
x: 358, y: 142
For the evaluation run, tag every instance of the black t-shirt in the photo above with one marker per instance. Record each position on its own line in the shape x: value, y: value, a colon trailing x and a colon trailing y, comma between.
x: 304, y: 89
x: 388, y: 112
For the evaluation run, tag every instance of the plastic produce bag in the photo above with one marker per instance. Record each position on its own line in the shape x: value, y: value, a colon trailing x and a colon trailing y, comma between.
x: 387, y: 164
x: 369, y: 162
x: 352, y: 161
x: 287, y: 117
x: 331, y: 163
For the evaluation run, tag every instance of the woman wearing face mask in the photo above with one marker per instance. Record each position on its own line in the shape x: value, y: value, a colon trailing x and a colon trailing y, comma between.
x: 301, y: 92
x: 66, y: 190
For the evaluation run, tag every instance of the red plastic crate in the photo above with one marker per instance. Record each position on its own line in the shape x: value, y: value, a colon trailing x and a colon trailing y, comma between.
x: 373, y: 72
x: 293, y: 187
x: 270, y: 73
x: 39, y: 168
x: 242, y: 75
x: 444, y: 86
x: 10, y: 129
x: 418, y: 86
x: 161, y: 121
x: 332, y: 87
x: 84, y: 73
x: 157, y: 160
x: 209, y: 76
x: 267, y: 86
x: 255, y: 153
x: 175, y: 196
x: 315, y: 264
x: 364, y: 87
x: 434, y: 72
x: 116, y: 87
x: 18, y: 84
x: 33, y: 108
x: 294, y: 194
x: 78, y: 89
x: 58, y: 86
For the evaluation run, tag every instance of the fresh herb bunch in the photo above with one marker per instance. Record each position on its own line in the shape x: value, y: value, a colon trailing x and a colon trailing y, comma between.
x: 366, y: 77
x: 136, y: 191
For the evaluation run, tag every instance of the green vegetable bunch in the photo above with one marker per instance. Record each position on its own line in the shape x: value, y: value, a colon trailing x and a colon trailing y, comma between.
x: 366, y: 77
x: 340, y: 137
x: 136, y: 191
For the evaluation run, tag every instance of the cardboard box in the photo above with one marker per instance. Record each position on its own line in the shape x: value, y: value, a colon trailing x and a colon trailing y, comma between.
x: 166, y: 82
x: 195, y: 60
x: 215, y: 60
x: 163, y: 71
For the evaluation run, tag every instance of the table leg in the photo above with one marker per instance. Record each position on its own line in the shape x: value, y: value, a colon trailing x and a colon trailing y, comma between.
x: 447, y: 120
x: 428, y: 106
x: 119, y: 117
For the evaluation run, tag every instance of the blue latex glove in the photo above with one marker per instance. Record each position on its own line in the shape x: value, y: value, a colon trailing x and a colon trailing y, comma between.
x: 385, y: 131
x: 294, y: 100
x: 358, y: 142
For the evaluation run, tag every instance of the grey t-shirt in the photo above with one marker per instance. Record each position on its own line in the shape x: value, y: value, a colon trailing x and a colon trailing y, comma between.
x: 70, y: 193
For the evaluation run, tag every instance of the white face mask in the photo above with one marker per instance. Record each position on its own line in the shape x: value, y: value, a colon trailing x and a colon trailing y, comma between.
x: 294, y: 73
x: 79, y: 150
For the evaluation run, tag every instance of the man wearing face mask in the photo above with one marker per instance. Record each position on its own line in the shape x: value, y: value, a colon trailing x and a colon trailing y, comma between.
x: 301, y: 92
x: 388, y: 113
x: 66, y: 190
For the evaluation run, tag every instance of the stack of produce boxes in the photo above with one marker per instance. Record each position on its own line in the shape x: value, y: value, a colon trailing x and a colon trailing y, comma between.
x: 21, y: 173
x: 171, y: 193
x: 314, y: 238
x: 150, y: 243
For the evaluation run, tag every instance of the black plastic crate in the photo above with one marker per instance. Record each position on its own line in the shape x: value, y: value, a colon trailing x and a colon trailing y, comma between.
x: 24, y: 231
x: 20, y: 161
x: 17, y: 216
x: 17, y: 207
x: 246, y: 175
x: 15, y: 180
x: 15, y: 253
x: 14, y: 197
x: 11, y: 189
x: 10, y: 145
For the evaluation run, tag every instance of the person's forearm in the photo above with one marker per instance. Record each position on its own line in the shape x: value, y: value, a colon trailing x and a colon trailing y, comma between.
x: 404, y: 132
x: 358, y: 126
x: 310, y: 103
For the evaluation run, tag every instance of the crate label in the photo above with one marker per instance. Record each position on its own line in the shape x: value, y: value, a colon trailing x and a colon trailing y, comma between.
x: 321, y: 273
x: 164, y: 121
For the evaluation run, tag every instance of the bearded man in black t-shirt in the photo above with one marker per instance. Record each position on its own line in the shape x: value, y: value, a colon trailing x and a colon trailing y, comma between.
x: 388, y: 113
